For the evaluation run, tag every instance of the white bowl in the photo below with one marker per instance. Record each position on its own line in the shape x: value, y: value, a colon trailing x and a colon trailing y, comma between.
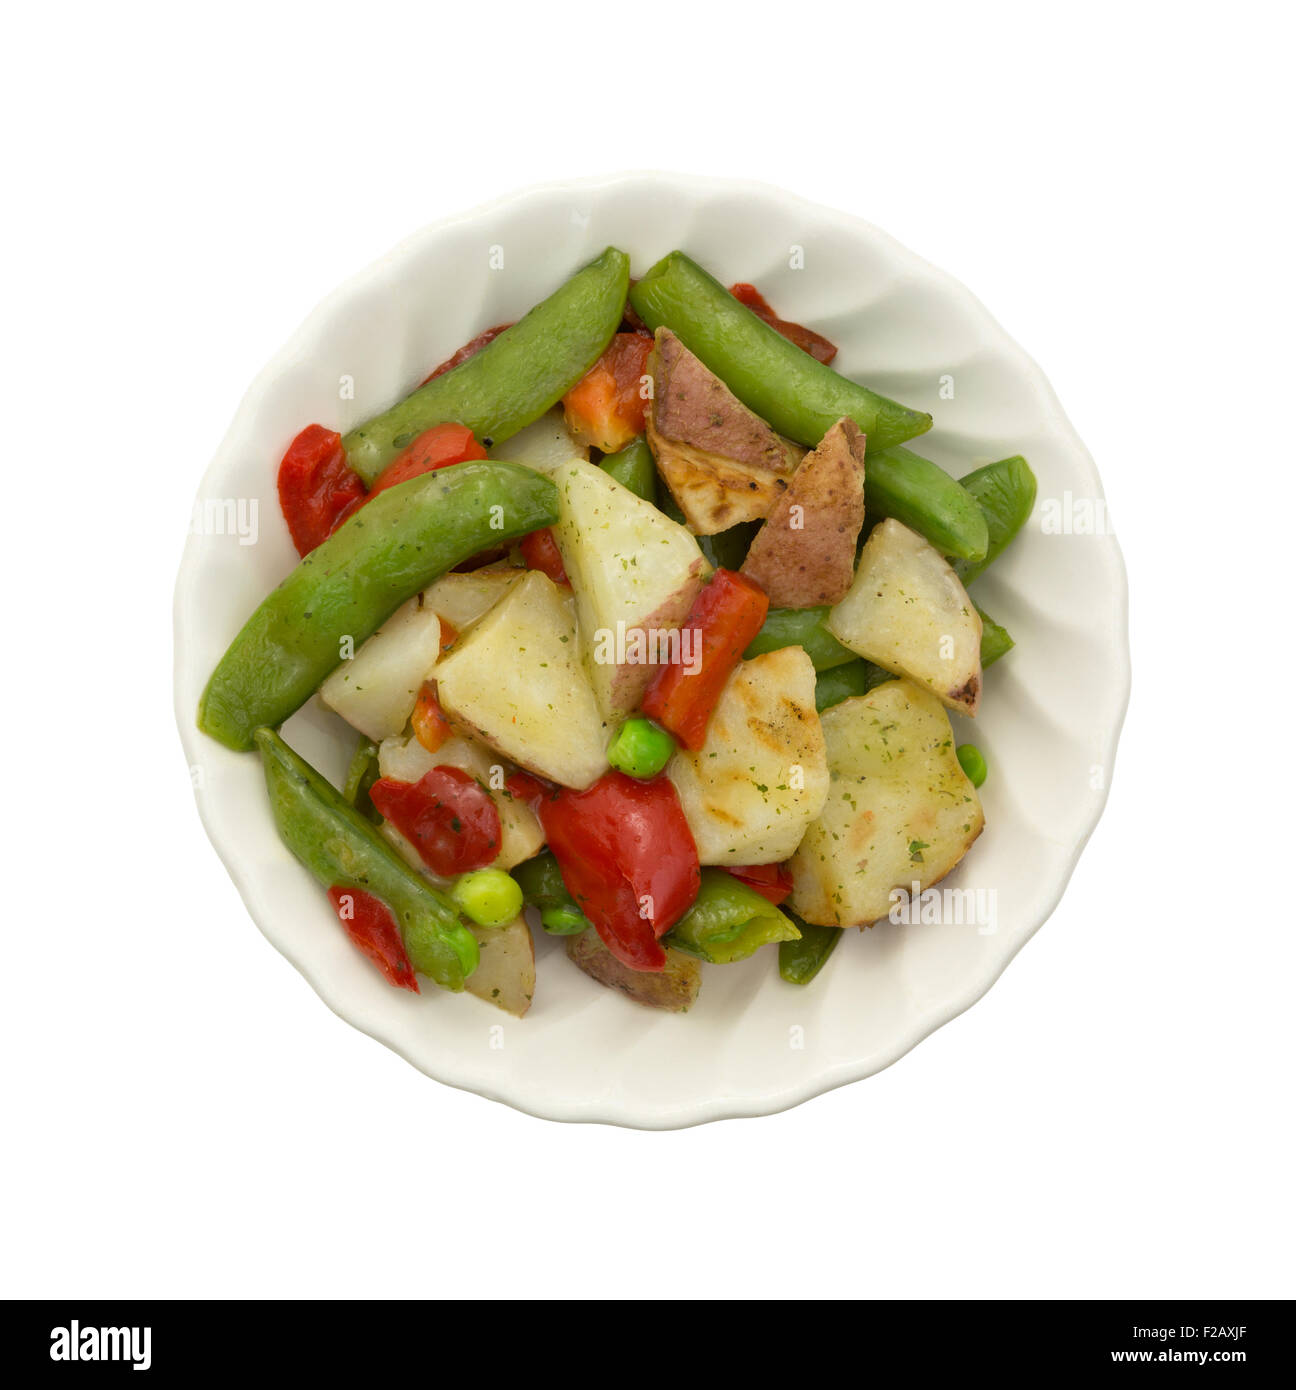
x: 1052, y: 709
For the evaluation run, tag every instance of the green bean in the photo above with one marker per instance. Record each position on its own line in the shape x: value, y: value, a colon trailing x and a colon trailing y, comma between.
x: 542, y: 886
x: 800, y: 397
x: 800, y: 627
x: 515, y: 378
x: 728, y: 921
x: 995, y: 641
x: 342, y: 849
x: 901, y: 484
x: 1005, y: 492
x: 634, y: 468
x: 361, y: 775
x: 393, y: 547
x: 800, y: 961
x: 856, y: 678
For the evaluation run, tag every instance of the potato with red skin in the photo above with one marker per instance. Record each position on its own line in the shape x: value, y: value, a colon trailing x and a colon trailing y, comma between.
x: 804, y: 555
x: 673, y: 988
x: 722, y: 463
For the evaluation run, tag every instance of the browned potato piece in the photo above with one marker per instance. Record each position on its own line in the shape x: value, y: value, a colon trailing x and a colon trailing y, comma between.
x: 722, y: 463
x: 804, y: 555
x: 674, y: 988
x: 506, y: 975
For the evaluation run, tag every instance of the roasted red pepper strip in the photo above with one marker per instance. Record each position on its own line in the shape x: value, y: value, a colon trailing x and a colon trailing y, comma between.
x: 772, y: 881
x: 438, y: 447
x: 726, y: 615
x: 431, y: 727
x: 805, y: 338
x: 606, y: 407
x: 627, y: 856
x: 469, y: 349
x: 372, y: 927
x: 540, y: 551
x: 317, y: 487
x: 446, y: 815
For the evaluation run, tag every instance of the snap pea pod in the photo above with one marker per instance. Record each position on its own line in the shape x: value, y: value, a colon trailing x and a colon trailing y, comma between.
x: 542, y: 886
x: 800, y: 627
x: 634, y: 468
x: 515, y: 378
x: 728, y: 921
x: 901, y: 484
x: 799, y: 396
x: 361, y: 775
x: 856, y: 678
x: 342, y: 849
x: 348, y: 587
x: 995, y: 641
x: 1005, y: 492
x: 800, y: 961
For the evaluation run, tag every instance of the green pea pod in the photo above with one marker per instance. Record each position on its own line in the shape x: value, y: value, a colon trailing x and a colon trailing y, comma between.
x: 342, y: 849
x: 995, y: 641
x: 634, y: 468
x: 728, y: 921
x: 856, y: 678
x: 361, y: 775
x: 1005, y: 492
x: 800, y: 961
x: 800, y: 397
x: 542, y: 886
x: 515, y: 378
x: 801, y: 627
x: 348, y: 587
x: 901, y: 484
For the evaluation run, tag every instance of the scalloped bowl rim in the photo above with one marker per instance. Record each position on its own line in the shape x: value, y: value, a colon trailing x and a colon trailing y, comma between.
x: 620, y: 1111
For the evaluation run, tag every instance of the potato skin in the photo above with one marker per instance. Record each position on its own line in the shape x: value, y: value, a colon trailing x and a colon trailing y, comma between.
x: 673, y: 988
x: 804, y: 555
x: 722, y: 463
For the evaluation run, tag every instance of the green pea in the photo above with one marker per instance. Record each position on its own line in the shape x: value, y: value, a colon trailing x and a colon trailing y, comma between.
x: 641, y: 749
x: 973, y: 762
x: 489, y: 896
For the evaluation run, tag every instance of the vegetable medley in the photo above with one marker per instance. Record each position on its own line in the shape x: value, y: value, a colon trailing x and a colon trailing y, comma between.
x: 646, y: 621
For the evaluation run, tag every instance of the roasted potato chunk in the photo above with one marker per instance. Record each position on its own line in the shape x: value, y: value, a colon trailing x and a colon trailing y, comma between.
x: 804, y: 555
x: 908, y: 613
x: 505, y: 974
x: 899, y: 809
x: 673, y: 988
x: 722, y: 463
x: 635, y: 574
x: 761, y: 776
x: 516, y: 681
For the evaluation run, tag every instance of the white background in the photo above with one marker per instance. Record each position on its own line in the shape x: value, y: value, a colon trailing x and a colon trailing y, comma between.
x: 181, y: 1115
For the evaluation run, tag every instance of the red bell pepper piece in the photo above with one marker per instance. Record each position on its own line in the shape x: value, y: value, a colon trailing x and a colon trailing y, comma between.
x: 446, y: 815
x: 317, y: 487
x: 606, y: 406
x: 772, y: 881
x: 431, y: 727
x: 627, y: 856
x: 438, y: 447
x: 469, y: 349
x: 805, y: 338
x: 726, y: 615
x: 371, y: 925
x: 540, y: 551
